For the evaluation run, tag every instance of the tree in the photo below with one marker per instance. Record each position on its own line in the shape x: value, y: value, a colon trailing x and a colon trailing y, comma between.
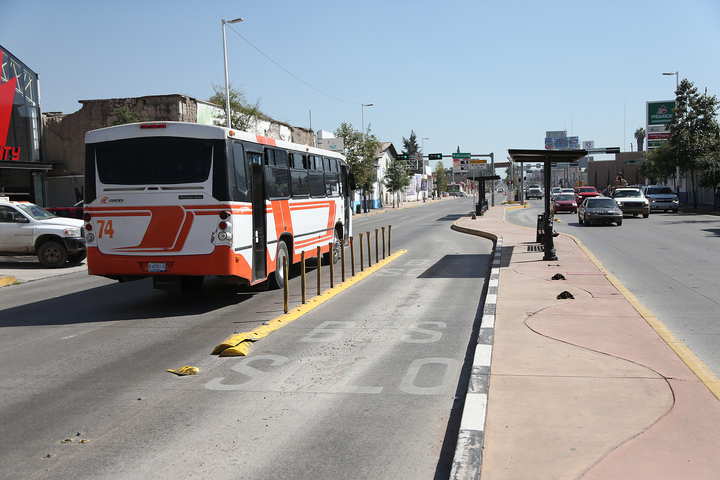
x: 361, y: 156
x: 710, y: 166
x: 441, y: 179
x: 694, y: 130
x: 640, y: 137
x: 411, y: 149
x: 659, y: 164
x: 396, y: 177
x: 124, y: 115
x: 243, y: 115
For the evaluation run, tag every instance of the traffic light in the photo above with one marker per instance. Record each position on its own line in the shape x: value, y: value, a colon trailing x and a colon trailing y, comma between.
x: 402, y: 156
x: 435, y: 156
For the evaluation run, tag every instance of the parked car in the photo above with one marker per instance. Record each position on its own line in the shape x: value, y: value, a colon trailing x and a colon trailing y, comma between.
x: 661, y: 198
x: 26, y: 229
x: 564, y: 203
x: 631, y: 201
x: 581, y: 193
x: 599, y: 210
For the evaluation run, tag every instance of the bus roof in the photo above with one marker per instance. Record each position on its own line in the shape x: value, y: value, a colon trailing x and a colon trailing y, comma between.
x: 194, y: 130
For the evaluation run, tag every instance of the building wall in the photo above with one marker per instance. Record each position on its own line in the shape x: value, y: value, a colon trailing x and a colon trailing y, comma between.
x: 64, y: 135
x: 602, y: 173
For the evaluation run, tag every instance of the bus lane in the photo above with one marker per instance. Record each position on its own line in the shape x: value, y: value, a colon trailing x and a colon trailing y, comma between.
x: 371, y: 381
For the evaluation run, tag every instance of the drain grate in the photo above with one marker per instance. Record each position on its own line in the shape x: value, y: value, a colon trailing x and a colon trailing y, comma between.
x: 536, y: 248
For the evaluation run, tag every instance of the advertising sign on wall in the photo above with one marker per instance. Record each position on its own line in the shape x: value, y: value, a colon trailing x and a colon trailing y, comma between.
x: 19, y: 111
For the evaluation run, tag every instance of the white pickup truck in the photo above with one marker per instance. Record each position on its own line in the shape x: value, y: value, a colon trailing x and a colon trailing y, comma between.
x: 26, y: 229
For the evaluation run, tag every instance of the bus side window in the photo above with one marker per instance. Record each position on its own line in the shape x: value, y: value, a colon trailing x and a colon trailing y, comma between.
x: 332, y: 187
x: 280, y: 158
x: 299, y: 186
x: 277, y: 183
x: 317, y: 180
x: 241, y: 187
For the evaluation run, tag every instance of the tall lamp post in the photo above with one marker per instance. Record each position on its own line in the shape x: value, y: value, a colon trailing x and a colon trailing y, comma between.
x: 422, y: 169
x: 227, y: 86
x: 363, y: 117
x: 677, y: 79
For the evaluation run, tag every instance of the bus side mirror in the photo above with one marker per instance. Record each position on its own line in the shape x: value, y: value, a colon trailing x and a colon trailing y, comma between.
x: 351, y: 181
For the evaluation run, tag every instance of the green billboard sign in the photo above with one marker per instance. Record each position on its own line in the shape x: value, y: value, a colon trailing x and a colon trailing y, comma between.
x: 660, y: 113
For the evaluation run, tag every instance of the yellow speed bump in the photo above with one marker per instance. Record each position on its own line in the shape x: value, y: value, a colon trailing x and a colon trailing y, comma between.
x: 239, y: 343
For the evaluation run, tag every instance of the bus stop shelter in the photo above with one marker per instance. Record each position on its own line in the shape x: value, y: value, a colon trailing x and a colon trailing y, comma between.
x: 547, y: 158
x: 481, y: 179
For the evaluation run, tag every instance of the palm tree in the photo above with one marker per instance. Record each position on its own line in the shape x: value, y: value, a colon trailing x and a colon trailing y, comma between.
x: 640, y: 137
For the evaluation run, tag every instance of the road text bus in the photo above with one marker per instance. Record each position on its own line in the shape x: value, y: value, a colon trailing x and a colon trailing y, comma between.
x: 178, y: 201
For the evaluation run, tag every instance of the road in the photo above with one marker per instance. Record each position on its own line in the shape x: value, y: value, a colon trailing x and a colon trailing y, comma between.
x: 668, y: 261
x: 369, y: 384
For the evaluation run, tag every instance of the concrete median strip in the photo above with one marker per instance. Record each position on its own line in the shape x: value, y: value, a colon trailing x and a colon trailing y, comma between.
x: 239, y: 344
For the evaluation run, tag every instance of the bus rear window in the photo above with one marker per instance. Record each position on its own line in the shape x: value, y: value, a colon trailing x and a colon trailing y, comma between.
x: 158, y: 161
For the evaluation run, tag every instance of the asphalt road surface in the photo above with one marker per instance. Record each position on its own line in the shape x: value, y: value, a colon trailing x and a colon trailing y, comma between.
x: 369, y: 384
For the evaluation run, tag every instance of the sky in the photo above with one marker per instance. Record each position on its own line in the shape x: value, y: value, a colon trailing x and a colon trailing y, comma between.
x: 482, y: 76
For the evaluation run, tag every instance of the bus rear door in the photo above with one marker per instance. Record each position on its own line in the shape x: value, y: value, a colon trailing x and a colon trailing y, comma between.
x: 259, y: 240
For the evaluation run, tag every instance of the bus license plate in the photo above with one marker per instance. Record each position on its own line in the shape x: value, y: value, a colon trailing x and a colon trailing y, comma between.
x: 157, y: 267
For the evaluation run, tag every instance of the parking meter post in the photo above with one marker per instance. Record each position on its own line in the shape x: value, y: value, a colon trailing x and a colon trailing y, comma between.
x: 540, y: 229
x: 352, y: 257
x: 377, y: 247
x: 383, y: 241
x: 286, y: 293
x: 332, y: 265
x: 361, y: 253
x: 369, y: 251
x: 303, y: 279
x: 342, y: 259
x: 389, y: 239
x: 319, y: 269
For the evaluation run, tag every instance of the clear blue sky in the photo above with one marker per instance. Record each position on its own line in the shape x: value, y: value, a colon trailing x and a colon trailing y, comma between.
x: 485, y: 76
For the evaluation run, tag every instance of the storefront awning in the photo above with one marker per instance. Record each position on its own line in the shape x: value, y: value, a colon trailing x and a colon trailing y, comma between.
x: 26, y: 166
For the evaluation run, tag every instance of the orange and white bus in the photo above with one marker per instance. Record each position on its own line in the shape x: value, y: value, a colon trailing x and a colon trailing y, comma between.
x: 178, y: 201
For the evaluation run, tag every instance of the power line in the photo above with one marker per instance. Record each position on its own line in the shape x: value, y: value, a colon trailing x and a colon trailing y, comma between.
x: 290, y: 73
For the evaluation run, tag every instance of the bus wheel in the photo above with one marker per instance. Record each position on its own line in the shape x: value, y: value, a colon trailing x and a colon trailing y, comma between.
x: 336, y: 250
x: 276, y: 278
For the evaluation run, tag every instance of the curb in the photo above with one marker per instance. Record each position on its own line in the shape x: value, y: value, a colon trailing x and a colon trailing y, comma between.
x: 467, y: 460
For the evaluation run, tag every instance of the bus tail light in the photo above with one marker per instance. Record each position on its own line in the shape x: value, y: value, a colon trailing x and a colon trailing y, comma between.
x: 224, y: 225
x: 225, y: 214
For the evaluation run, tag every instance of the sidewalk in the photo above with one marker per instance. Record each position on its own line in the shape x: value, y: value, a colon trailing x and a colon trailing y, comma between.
x: 587, y: 387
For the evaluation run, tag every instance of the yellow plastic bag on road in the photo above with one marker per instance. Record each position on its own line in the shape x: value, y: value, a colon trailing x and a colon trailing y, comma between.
x: 186, y: 370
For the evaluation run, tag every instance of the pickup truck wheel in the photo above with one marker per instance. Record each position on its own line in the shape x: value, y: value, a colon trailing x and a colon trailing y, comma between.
x: 52, y: 254
x: 77, y: 257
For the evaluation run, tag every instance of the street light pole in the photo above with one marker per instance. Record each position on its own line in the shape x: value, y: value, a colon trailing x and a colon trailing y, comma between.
x: 363, y: 117
x: 677, y: 79
x: 227, y: 85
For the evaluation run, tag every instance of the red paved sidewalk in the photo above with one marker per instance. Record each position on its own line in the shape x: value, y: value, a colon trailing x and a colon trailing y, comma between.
x: 585, y: 388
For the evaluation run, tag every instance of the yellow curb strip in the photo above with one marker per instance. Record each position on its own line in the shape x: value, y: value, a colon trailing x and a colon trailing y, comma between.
x: 239, y: 343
